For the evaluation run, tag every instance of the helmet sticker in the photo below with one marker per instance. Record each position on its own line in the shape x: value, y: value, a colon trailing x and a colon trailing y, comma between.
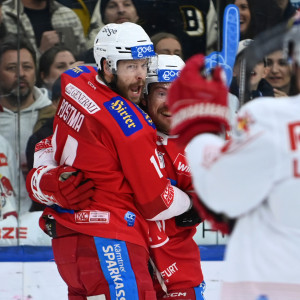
x: 165, y: 75
x: 109, y: 31
x: 144, y: 51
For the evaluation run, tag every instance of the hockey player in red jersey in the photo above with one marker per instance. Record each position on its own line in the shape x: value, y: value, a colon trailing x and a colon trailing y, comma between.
x: 102, y: 250
x: 174, y: 252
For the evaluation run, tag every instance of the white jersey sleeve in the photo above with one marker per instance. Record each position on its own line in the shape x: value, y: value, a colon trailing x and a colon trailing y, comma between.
x: 240, y: 170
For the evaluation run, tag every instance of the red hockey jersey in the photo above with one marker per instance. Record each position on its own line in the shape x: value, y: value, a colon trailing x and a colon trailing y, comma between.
x: 114, y: 143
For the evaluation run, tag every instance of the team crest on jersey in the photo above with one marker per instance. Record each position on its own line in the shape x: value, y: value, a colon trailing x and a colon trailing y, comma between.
x: 244, y: 121
x: 77, y: 71
x: 3, y: 160
x: 181, y: 165
x: 168, y: 195
x: 124, y: 115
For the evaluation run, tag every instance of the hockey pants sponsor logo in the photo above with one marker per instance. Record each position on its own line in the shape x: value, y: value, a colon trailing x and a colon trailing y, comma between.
x: 115, y: 266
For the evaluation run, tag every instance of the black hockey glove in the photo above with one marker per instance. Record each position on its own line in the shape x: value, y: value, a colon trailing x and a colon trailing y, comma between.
x: 189, y: 218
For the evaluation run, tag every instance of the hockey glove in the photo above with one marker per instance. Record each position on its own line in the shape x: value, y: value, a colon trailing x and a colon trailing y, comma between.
x: 189, y: 218
x: 198, y: 101
x: 217, y: 221
x: 63, y: 185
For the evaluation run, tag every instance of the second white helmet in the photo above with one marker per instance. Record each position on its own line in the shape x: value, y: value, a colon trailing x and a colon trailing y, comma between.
x: 165, y: 68
x: 124, y: 41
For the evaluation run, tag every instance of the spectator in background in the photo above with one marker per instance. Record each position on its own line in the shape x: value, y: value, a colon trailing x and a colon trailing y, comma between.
x: 268, y: 13
x: 45, y: 131
x: 256, y: 85
x: 45, y: 23
x: 2, y: 26
x: 19, y: 94
x: 8, y: 189
x: 193, y: 21
x: 83, y: 9
x: 52, y: 64
x: 8, y: 181
x: 111, y: 11
x: 167, y: 43
x: 245, y: 18
x: 280, y: 75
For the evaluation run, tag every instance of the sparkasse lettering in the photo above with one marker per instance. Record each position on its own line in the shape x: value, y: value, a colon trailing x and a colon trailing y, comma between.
x: 114, y: 271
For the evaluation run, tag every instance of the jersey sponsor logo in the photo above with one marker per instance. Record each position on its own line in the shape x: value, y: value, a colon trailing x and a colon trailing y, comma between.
x: 92, y: 85
x: 77, y: 71
x: 169, y: 271
x: 294, y: 134
x: 92, y: 216
x: 146, y: 117
x: 124, y: 115
x: 72, y: 117
x: 3, y: 160
x: 145, y: 51
x: 115, y: 266
x: 81, y: 98
x: 168, y: 195
x: 165, y: 75
x: 181, y: 165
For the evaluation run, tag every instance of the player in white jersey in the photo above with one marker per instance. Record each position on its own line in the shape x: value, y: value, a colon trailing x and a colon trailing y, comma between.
x: 254, y: 178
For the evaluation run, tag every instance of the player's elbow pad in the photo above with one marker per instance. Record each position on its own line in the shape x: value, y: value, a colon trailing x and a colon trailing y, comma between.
x: 181, y: 203
x: 33, y: 185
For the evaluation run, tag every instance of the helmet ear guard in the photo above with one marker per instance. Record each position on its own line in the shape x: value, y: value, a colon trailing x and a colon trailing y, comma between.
x: 163, y: 68
x: 126, y: 41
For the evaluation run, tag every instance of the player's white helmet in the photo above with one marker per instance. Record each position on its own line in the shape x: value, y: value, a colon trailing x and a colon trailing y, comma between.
x: 124, y: 41
x: 165, y: 68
